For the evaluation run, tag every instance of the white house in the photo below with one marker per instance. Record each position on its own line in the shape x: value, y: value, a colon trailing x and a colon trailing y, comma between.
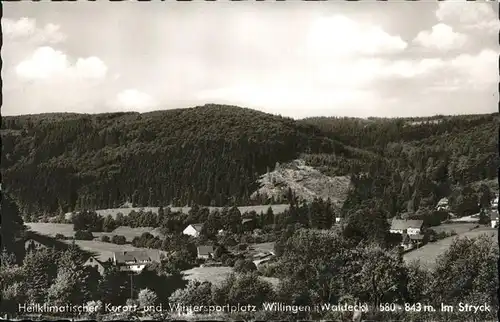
x: 411, y: 227
x: 443, y: 204
x: 94, y: 262
x: 135, y: 261
x: 494, y: 219
x: 205, y: 252
x: 193, y: 230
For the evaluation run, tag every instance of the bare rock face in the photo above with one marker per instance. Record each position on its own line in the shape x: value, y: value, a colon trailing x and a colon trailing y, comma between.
x: 306, y: 182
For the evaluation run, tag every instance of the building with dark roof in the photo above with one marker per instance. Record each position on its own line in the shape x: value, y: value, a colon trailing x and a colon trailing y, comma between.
x: 135, y: 261
x: 411, y: 227
x: 205, y: 252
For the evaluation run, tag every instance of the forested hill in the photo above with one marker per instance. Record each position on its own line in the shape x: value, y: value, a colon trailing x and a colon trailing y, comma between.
x: 423, y: 160
x: 210, y: 155
x: 214, y: 155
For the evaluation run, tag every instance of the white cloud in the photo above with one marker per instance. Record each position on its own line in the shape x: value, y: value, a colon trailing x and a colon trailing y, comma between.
x: 341, y: 36
x: 477, y: 70
x: 46, y: 62
x: 133, y: 99
x: 26, y: 29
x: 441, y: 37
x: 469, y: 15
x: 91, y: 67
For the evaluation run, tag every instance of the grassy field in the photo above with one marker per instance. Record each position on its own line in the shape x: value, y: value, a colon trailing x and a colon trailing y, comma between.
x: 277, y: 209
x: 216, y: 275
x: 459, y: 228
x: 428, y: 254
x: 104, y: 251
x: 50, y: 229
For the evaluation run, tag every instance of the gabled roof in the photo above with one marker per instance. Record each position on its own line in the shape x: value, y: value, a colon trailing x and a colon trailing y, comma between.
x: 196, y: 227
x: 400, y: 224
x: 443, y: 201
x: 137, y: 256
x: 205, y: 250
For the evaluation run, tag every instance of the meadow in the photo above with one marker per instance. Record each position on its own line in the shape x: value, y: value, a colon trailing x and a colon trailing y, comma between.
x: 129, y: 233
x: 428, y: 254
x: 277, y: 209
x: 216, y: 274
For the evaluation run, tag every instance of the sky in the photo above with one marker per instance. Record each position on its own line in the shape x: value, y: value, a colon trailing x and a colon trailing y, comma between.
x: 297, y: 59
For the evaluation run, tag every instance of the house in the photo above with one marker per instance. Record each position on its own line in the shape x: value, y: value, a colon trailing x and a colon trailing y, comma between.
x: 442, y: 205
x: 411, y: 227
x: 205, y: 252
x: 135, y: 261
x: 494, y: 203
x: 93, y: 261
x: 494, y: 219
x: 338, y: 220
x: 193, y: 230
x: 248, y: 224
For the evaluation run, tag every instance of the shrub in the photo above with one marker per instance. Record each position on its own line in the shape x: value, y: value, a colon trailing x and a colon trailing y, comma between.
x: 105, y: 239
x: 119, y: 240
x: 83, y: 235
x: 60, y: 236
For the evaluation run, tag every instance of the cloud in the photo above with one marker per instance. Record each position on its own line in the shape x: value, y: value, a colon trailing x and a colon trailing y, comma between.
x: 26, y: 29
x: 441, y: 37
x: 46, y: 62
x: 133, y: 99
x: 469, y: 15
x: 341, y: 36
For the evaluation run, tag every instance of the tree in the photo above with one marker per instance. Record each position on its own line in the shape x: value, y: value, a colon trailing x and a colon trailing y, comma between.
x: 485, y: 196
x: 467, y: 268
x: 39, y: 271
x: 108, y: 225
x: 381, y: 276
x: 250, y: 289
x: 244, y: 266
x: 195, y: 293
x: 367, y: 225
x: 464, y: 202
x: 147, y: 298
x: 11, y: 226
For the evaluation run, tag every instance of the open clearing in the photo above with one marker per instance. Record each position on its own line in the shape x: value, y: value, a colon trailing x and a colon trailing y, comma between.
x: 458, y: 228
x: 428, y: 254
x: 50, y: 229
x: 104, y: 251
x: 216, y: 275
x: 277, y: 209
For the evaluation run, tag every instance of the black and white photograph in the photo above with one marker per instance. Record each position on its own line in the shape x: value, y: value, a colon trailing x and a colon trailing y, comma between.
x: 250, y: 160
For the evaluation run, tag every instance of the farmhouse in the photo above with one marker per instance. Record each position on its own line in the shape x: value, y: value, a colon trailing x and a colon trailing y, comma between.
x: 494, y: 219
x: 92, y: 261
x: 411, y: 227
x: 135, y: 261
x: 205, y: 252
x: 193, y: 230
x: 442, y: 205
